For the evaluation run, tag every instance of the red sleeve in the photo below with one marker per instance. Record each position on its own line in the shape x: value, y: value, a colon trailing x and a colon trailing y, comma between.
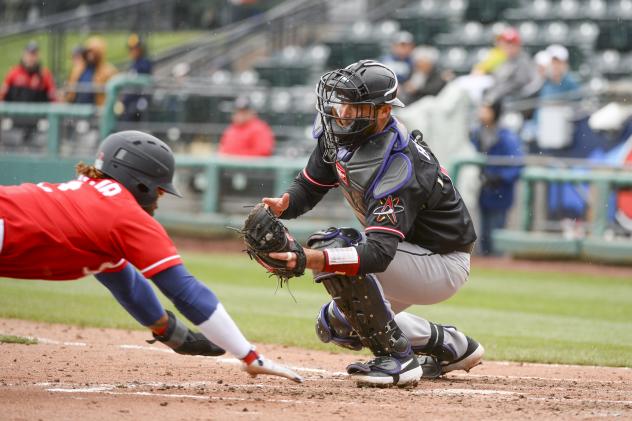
x: 8, y: 80
x: 49, y: 83
x: 263, y: 140
x: 144, y: 243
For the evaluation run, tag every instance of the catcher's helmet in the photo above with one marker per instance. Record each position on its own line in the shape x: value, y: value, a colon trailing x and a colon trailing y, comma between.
x: 347, y: 101
x: 140, y: 162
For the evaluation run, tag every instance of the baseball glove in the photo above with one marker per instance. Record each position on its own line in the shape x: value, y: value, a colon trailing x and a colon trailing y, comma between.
x: 264, y: 233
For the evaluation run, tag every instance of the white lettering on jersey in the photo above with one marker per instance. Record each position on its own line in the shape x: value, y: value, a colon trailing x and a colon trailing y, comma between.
x: 44, y: 187
x: 107, y: 188
x: 422, y: 151
x: 71, y: 185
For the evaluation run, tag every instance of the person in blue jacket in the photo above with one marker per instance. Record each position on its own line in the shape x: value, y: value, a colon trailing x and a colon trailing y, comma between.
x: 135, y: 105
x: 497, y: 182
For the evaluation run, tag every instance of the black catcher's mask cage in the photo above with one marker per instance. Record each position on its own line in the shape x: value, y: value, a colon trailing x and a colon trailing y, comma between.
x: 348, y: 100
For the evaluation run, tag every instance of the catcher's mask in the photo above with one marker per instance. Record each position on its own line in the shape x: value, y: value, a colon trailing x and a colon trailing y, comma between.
x: 139, y: 161
x: 347, y: 102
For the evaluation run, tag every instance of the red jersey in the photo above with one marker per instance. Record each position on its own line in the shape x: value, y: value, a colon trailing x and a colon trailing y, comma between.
x: 70, y: 230
x: 25, y: 86
x: 252, y: 138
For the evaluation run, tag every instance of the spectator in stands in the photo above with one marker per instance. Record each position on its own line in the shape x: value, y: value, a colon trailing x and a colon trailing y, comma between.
x: 493, y: 59
x: 76, y: 57
x: 400, y: 58
x: 427, y: 78
x: 87, y: 79
x: 247, y: 135
x: 134, y: 105
x: 29, y: 81
x: 515, y: 73
x: 559, y: 81
x: 497, y: 182
x: 137, y: 50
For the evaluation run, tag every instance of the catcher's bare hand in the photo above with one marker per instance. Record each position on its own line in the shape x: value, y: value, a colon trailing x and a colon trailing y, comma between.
x: 315, y: 259
x: 277, y: 205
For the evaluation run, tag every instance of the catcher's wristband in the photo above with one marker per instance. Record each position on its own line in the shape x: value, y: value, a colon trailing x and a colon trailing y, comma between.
x: 344, y: 261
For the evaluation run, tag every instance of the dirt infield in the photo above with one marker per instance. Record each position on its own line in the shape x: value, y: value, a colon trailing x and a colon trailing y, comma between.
x: 91, y: 374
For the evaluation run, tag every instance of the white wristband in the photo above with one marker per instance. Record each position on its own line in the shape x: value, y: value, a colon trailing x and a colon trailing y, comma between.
x: 342, y: 256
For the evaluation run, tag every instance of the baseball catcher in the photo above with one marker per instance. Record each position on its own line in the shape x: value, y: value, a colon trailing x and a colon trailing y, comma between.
x: 102, y: 224
x: 417, y: 237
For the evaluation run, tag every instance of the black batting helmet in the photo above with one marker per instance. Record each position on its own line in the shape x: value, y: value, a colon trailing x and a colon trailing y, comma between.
x: 366, y: 85
x: 139, y: 161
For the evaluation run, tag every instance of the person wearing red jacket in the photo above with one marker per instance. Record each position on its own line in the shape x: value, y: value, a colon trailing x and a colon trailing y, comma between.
x: 28, y: 81
x: 247, y: 135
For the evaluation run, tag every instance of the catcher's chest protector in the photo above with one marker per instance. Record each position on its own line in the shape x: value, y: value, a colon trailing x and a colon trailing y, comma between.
x: 374, y: 170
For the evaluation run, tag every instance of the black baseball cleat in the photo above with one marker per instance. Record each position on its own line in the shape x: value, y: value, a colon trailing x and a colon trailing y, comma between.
x: 470, y: 359
x: 386, y: 371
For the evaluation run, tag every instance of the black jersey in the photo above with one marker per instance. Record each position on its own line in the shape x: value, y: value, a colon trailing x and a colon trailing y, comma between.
x: 398, y: 191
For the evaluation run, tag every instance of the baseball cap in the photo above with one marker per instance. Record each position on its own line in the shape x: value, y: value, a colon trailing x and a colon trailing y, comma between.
x: 242, y: 103
x: 557, y: 51
x: 403, y: 37
x: 32, y: 47
x: 542, y: 58
x: 511, y: 36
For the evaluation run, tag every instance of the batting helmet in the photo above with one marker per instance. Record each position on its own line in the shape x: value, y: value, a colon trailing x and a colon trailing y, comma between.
x: 347, y: 100
x: 140, y: 162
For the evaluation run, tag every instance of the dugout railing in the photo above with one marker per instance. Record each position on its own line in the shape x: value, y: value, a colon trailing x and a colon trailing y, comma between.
x: 601, y: 241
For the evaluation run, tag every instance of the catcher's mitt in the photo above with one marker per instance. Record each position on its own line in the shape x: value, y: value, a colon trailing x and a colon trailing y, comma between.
x: 264, y: 233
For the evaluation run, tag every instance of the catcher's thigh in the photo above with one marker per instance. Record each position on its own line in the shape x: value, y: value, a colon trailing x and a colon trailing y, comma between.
x: 418, y: 276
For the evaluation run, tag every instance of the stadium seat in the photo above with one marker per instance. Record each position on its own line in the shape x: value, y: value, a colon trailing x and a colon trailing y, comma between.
x: 556, y: 33
x: 616, y: 35
x: 529, y: 31
x: 622, y: 10
x: 568, y: 9
x: 485, y: 11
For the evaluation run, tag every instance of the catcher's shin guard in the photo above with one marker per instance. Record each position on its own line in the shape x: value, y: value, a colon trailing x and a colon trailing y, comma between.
x: 360, y: 299
x: 184, y: 341
x: 331, y: 326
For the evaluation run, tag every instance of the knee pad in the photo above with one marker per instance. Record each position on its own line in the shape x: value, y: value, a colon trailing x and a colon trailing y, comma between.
x: 334, y: 238
x: 331, y: 326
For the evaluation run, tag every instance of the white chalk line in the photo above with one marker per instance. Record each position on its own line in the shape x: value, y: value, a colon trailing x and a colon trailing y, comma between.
x: 338, y: 375
x: 54, y: 342
x: 108, y: 391
x: 553, y: 379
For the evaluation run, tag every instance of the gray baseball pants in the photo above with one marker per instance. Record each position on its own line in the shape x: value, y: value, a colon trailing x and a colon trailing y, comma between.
x: 418, y: 276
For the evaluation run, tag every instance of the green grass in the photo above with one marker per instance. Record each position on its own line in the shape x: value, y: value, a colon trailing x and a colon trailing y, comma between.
x: 517, y: 315
x: 116, y: 46
x: 11, y: 339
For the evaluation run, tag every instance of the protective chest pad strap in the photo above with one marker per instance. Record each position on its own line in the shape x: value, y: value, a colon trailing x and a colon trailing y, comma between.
x: 360, y: 299
x: 398, y: 172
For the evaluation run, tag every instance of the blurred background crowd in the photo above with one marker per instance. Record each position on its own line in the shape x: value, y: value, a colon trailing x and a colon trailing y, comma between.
x: 498, y: 87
